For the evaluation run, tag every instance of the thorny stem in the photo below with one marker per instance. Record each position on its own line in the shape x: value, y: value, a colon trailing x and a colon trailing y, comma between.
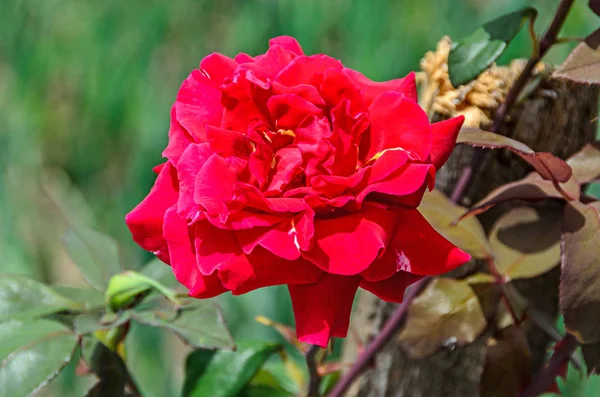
x: 314, y: 378
x: 390, y: 329
x: 549, y: 39
x: 545, y: 376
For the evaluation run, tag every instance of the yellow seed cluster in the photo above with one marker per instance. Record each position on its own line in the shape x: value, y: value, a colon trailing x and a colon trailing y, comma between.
x: 476, y: 100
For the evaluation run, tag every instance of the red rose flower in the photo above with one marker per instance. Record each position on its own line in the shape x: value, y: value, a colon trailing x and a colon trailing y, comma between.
x: 292, y: 169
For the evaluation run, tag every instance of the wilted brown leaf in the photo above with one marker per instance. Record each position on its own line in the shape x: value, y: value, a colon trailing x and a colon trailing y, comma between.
x: 468, y: 235
x: 531, y: 188
x: 582, y: 65
x: 580, y: 279
x: 546, y: 164
x: 586, y: 163
x: 447, y: 313
x: 526, y: 242
x: 507, y: 363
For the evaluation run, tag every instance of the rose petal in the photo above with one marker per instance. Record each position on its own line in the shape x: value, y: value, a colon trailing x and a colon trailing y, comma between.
x: 348, y: 244
x: 444, y: 135
x: 227, y: 143
x: 243, y: 58
x: 416, y: 248
x: 391, y: 289
x: 241, y: 110
x: 271, y: 63
x: 214, y: 185
x: 344, y: 137
x: 263, y: 269
x: 183, y: 259
x: 288, y: 110
x: 287, y: 42
x: 217, y: 67
x: 305, y: 229
x: 249, y: 196
x: 287, y: 162
x: 280, y: 240
x: 333, y: 185
x: 198, y: 104
x: 145, y: 221
x: 337, y: 87
x: 245, y: 220
x: 322, y: 310
x: 371, y: 89
x: 397, y: 122
x: 385, y: 165
x: 214, y: 246
x: 311, y: 139
x: 179, y: 139
x: 306, y: 70
x: 305, y: 91
x: 191, y: 163
x: 403, y: 182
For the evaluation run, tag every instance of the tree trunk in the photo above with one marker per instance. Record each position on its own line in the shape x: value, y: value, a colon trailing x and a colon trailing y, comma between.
x: 559, y: 118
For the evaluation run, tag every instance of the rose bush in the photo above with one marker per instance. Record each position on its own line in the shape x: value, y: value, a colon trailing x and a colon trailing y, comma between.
x: 292, y: 169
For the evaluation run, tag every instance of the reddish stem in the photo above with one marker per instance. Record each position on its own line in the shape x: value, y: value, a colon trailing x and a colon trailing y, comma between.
x: 545, y: 376
x: 390, y: 329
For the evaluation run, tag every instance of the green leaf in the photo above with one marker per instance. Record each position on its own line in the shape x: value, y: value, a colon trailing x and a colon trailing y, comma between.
x: 199, y: 324
x: 582, y: 66
x: 546, y: 164
x: 442, y: 214
x: 87, y: 323
x: 23, y: 298
x: 263, y: 391
x: 577, y: 383
x: 531, y: 188
x: 473, y: 54
x: 447, y: 313
x: 125, y: 288
x: 526, y: 242
x: 224, y: 373
x: 72, y: 381
x: 32, y: 354
x: 580, y: 278
x: 161, y: 272
x: 87, y: 298
x: 276, y: 378
x: 95, y: 254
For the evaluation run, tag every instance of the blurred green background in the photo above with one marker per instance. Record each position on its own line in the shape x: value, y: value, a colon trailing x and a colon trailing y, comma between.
x: 85, y: 93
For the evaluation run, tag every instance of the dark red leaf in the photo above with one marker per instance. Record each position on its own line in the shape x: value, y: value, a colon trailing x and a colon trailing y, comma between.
x: 546, y: 164
x: 580, y: 279
x: 531, y: 188
x: 595, y: 6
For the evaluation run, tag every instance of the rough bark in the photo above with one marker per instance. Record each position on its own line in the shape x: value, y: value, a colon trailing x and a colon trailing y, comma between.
x: 559, y: 118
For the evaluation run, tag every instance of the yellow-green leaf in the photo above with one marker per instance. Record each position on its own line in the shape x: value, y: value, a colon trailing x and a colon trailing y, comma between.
x: 442, y: 214
x: 526, y: 242
x: 447, y: 313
